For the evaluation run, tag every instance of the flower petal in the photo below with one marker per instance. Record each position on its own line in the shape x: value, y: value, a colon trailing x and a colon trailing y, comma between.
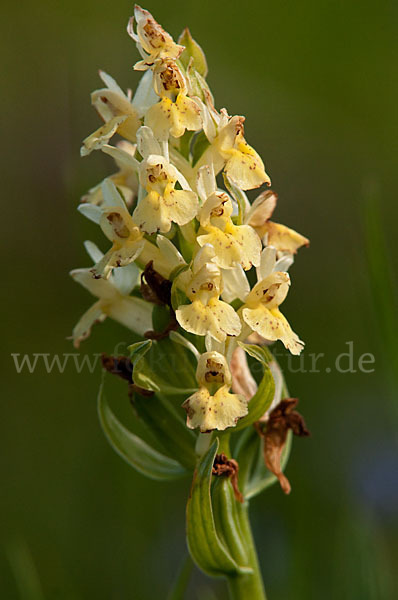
x: 245, y: 167
x: 272, y: 325
x: 214, y: 412
x: 239, y: 245
x: 282, y: 238
x: 82, y: 329
x: 102, y: 135
x: 217, y: 318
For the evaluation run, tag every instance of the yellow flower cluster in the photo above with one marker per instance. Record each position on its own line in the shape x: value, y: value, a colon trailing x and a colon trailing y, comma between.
x: 164, y: 206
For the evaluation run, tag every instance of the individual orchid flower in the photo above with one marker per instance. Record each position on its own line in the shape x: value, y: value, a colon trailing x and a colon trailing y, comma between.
x: 277, y: 235
x: 261, y: 309
x: 206, y: 314
x: 119, y: 227
x: 125, y: 179
x: 230, y: 151
x: 233, y: 244
x: 113, y: 299
x: 121, y: 114
x: 163, y: 203
x: 153, y: 42
x: 213, y: 406
x: 112, y: 102
x: 175, y: 112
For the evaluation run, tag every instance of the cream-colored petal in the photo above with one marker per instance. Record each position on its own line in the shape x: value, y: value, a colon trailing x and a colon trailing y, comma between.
x: 267, y: 262
x: 282, y: 238
x: 182, y: 205
x: 82, y: 329
x: 270, y: 291
x: 111, y: 83
x: 262, y: 208
x: 161, y: 118
x: 147, y: 143
x: 188, y: 113
x: 169, y: 252
x: 133, y: 313
x: 272, y: 325
x: 117, y: 256
x: 234, y: 284
x: 101, y: 136
x: 110, y: 104
x: 144, y: 96
x: 217, y: 318
x: 244, y: 166
x: 206, y: 182
x: 214, y: 412
x: 123, y: 155
x: 151, y: 214
x: 111, y: 196
x: 239, y: 245
x: 100, y: 288
x: 93, y: 251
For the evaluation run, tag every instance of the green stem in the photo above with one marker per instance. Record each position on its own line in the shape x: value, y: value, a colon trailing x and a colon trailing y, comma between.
x: 247, y: 585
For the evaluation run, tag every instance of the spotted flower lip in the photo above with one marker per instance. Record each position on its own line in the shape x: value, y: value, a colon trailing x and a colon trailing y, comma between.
x: 234, y: 244
x: 230, y: 151
x: 213, y: 406
x: 207, y: 314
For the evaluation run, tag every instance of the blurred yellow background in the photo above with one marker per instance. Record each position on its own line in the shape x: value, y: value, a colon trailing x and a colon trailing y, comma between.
x: 318, y: 84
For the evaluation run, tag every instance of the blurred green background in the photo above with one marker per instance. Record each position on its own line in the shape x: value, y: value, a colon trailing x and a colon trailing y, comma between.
x: 318, y: 84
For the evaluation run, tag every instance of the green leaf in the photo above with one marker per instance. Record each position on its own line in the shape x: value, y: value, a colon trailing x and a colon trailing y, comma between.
x: 238, y: 196
x: 133, y: 449
x: 166, y: 424
x: 206, y: 548
x: 163, y: 367
x: 246, y: 453
x: 194, y: 51
x: 262, y: 399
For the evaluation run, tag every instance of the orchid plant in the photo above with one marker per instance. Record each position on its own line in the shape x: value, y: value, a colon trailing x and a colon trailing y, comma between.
x: 197, y: 273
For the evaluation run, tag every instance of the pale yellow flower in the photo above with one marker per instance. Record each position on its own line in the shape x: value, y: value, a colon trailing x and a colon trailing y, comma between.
x: 261, y: 311
x: 119, y: 227
x: 230, y: 151
x: 213, y: 406
x: 233, y: 244
x: 163, y: 204
x: 175, y: 112
x: 153, y: 42
x: 279, y: 236
x: 112, y: 102
x: 113, y: 299
x: 207, y: 314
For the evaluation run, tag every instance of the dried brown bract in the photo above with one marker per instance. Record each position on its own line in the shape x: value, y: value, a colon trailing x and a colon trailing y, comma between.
x: 228, y: 467
x: 282, y: 418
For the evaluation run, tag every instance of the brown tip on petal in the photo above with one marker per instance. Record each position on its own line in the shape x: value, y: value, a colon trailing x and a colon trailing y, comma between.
x: 228, y: 467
